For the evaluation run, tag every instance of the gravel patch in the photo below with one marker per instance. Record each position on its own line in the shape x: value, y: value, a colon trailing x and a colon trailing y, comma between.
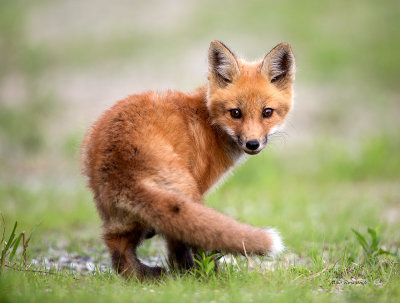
x: 85, y: 264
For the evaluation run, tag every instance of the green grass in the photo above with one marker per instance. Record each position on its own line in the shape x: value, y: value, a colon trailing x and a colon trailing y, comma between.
x: 285, y: 189
x: 230, y: 285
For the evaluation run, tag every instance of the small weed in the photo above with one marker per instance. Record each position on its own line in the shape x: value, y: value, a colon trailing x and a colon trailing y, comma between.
x: 9, y: 248
x: 300, y: 271
x: 206, y: 262
x: 371, y: 248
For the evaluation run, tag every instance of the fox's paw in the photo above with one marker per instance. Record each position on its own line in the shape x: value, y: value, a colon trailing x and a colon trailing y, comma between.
x: 277, y: 246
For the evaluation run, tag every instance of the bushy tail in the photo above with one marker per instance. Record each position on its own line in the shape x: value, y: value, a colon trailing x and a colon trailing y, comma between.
x: 200, y: 226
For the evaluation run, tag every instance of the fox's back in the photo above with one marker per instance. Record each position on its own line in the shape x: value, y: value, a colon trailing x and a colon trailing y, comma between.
x: 153, y: 134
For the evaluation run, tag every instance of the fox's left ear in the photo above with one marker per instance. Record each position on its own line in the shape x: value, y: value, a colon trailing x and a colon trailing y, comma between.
x: 279, y: 65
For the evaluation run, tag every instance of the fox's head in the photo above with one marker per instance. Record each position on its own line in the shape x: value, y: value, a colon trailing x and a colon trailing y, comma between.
x: 250, y: 101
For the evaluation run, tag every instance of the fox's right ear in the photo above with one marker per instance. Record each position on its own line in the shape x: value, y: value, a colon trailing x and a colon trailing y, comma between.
x: 222, y: 64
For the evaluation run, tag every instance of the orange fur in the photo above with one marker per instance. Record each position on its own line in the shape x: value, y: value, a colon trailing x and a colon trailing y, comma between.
x: 151, y: 158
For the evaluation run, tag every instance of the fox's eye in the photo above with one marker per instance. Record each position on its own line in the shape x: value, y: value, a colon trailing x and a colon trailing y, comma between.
x: 236, y: 113
x: 267, y: 112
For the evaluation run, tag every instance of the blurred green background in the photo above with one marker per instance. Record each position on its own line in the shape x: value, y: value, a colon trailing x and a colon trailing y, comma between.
x: 337, y: 166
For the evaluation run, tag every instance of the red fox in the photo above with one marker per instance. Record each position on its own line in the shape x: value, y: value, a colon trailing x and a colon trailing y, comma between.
x: 151, y: 158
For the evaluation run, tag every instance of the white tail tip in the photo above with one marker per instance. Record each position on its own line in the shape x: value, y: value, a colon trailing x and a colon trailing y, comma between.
x: 277, y: 246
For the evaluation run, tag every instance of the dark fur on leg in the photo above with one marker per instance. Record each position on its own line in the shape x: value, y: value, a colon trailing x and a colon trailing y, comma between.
x: 179, y: 255
x: 124, y: 260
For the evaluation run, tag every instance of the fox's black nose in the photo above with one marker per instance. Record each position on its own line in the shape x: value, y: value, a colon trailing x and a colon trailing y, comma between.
x: 252, y: 144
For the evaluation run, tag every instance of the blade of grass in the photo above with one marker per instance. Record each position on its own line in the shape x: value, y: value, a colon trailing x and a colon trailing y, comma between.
x: 15, y: 247
x: 362, y: 241
x: 4, y: 231
x: 374, y: 239
x: 7, y: 246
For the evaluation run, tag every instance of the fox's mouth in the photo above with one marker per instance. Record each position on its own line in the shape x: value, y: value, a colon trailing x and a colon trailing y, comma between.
x: 252, y: 152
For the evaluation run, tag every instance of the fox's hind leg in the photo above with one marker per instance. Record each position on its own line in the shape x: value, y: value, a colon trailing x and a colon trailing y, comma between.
x: 122, y: 247
x: 179, y: 255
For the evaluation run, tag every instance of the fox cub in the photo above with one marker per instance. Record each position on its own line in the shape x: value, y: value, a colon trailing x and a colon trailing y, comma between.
x: 151, y: 158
